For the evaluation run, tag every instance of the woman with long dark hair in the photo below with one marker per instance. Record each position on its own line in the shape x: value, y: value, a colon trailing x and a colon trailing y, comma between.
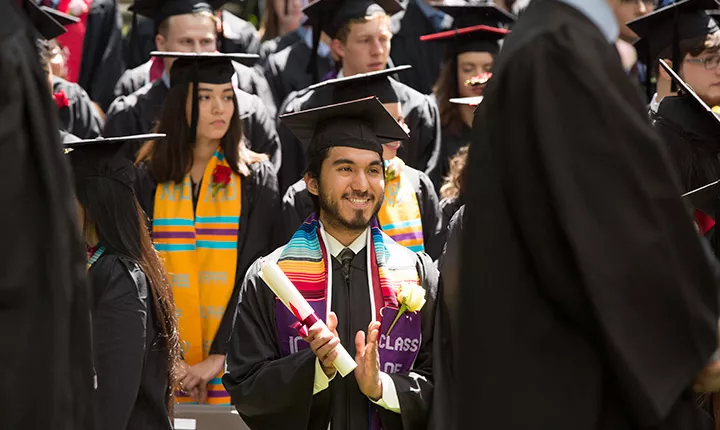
x: 136, y: 347
x: 471, y: 50
x: 280, y: 22
x: 213, y: 203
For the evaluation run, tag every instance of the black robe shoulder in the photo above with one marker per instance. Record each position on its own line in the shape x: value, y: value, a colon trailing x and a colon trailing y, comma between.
x: 691, y: 139
x: 256, y: 366
x: 80, y: 118
x: 132, y: 80
x: 102, y: 60
x: 138, y: 113
x: 279, y: 43
x: 43, y: 284
x: 286, y: 70
x: 256, y: 238
x: 452, y: 141
x: 407, y: 48
x: 297, y: 205
x: 584, y: 241
x: 240, y: 36
x: 131, y: 359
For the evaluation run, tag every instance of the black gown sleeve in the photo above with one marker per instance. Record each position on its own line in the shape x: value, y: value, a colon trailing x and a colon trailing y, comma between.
x: 426, y: 156
x: 256, y: 240
x: 297, y: 205
x: 81, y: 118
x: 415, y: 388
x: 432, y: 221
x: 252, y: 81
x: 270, y: 391
x: 119, y: 330
x: 121, y: 119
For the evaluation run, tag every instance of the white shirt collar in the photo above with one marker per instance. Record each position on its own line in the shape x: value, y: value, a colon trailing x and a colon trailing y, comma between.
x: 340, y: 74
x: 655, y: 103
x: 336, y: 247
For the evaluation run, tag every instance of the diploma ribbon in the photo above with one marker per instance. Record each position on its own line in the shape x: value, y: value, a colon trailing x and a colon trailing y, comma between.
x: 303, y: 325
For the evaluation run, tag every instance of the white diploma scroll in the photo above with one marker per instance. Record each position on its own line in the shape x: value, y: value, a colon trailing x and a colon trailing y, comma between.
x: 279, y: 283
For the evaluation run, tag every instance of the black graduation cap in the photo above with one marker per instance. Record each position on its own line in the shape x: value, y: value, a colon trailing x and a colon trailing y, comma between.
x: 478, y: 38
x: 667, y: 26
x: 364, y: 85
x: 361, y: 124
x: 64, y: 19
x: 712, y: 116
x: 90, y: 157
x: 196, y: 67
x: 471, y: 13
x: 47, y: 26
x: 329, y: 16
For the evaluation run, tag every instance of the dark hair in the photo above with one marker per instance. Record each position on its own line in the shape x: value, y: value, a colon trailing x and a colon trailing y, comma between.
x: 171, y: 158
x: 111, y: 208
x: 446, y: 88
x: 44, y: 51
x: 315, y: 162
x: 693, y: 46
x: 270, y: 25
x: 453, y: 185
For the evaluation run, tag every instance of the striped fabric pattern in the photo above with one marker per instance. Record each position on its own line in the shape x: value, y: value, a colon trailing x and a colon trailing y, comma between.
x: 400, y: 216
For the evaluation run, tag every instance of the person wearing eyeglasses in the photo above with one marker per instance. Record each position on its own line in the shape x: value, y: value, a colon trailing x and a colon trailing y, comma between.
x: 694, y: 150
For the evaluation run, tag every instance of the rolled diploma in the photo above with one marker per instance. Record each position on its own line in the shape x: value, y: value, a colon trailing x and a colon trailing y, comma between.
x: 279, y: 283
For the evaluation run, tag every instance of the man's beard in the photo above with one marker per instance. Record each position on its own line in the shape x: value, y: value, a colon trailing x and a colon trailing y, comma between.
x: 331, y: 212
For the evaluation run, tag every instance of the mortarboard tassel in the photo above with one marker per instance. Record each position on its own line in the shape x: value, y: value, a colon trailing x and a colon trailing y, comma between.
x: 649, y: 70
x: 195, y: 104
x: 133, y: 38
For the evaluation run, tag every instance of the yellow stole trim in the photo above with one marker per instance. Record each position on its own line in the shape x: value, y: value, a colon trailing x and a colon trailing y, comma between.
x: 399, y: 215
x: 199, y: 250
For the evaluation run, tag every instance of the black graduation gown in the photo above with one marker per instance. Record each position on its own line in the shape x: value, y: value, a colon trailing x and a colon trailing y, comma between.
x: 297, y: 206
x: 692, y: 141
x: 447, y: 342
x: 131, y: 358
x: 132, y: 80
x: 425, y: 57
x: 81, y: 118
x: 586, y: 299
x: 257, y: 372
x: 240, y: 36
x: 448, y: 208
x: 137, y: 113
x: 286, y: 70
x: 102, y: 60
x: 46, y: 371
x: 421, y: 151
x: 452, y: 141
x: 277, y: 44
x: 256, y: 238
x: 139, y: 42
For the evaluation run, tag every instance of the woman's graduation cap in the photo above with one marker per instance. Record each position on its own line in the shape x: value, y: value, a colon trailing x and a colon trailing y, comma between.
x: 329, y: 16
x: 90, y: 158
x: 362, y: 124
x: 478, y: 38
x: 193, y: 68
x: 47, y: 21
x: 665, y: 27
x: 472, y: 13
x: 372, y: 84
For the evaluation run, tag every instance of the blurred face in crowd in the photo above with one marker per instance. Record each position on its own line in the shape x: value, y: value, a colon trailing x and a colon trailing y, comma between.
x: 291, y: 21
x: 628, y: 10
x: 216, y: 108
x: 470, y: 64
x: 187, y: 33
x: 703, y: 75
x: 390, y: 149
x: 366, y: 47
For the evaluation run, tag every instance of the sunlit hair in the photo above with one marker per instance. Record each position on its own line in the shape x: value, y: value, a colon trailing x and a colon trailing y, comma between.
x: 452, y: 186
x: 164, y: 27
x: 344, y: 31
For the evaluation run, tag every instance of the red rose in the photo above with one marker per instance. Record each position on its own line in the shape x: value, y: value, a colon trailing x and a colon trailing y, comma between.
x: 61, y: 99
x: 220, y: 177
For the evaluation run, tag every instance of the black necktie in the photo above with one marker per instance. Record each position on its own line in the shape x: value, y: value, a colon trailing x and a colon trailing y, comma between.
x: 345, y: 257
